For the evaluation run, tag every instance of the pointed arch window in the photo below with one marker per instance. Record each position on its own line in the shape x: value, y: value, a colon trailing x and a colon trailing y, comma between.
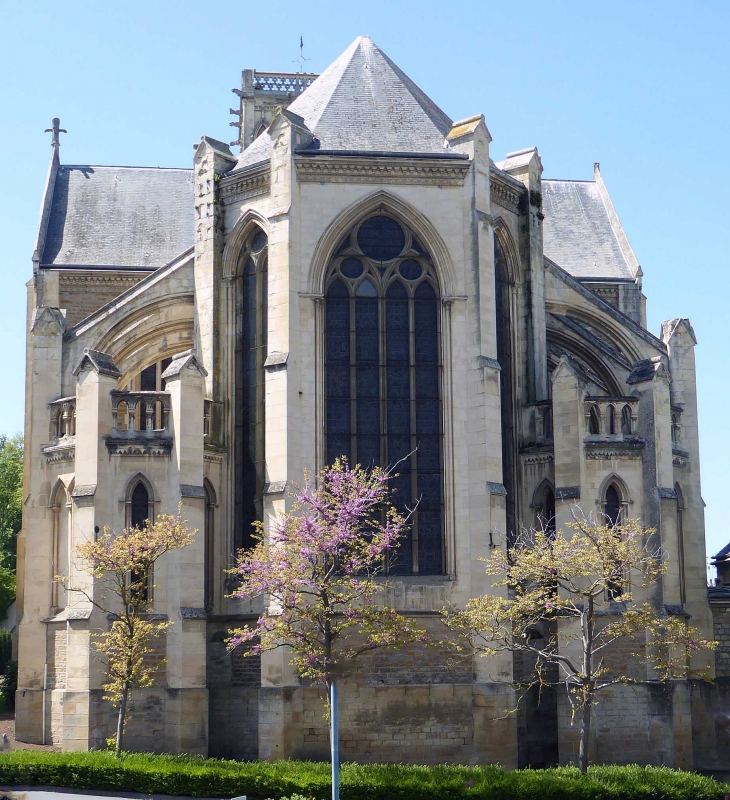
x: 626, y: 421
x: 250, y: 412
x: 612, y: 510
x: 139, y: 515
x: 594, y: 421
x: 383, y: 375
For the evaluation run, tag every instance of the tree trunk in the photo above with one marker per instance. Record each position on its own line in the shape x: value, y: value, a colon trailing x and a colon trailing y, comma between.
x: 585, y: 730
x: 121, y: 718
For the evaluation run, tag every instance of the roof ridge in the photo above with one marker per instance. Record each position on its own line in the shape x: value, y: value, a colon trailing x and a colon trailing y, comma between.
x: 120, y: 166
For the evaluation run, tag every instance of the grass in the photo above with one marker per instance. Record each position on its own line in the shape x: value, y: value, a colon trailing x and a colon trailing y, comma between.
x: 201, y: 777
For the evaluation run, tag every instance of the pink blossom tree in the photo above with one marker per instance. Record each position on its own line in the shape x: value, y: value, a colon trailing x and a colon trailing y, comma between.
x: 318, y: 567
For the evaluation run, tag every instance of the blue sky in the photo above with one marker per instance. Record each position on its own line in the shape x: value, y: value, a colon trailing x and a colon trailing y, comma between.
x: 641, y: 87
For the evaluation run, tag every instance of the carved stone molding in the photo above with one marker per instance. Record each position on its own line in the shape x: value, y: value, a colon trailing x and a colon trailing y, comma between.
x: 403, y: 171
x: 139, y: 445
x: 251, y: 183
x: 504, y: 194
x: 56, y: 453
x: 538, y: 458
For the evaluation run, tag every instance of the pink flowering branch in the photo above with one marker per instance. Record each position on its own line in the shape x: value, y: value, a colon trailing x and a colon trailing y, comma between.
x: 318, y: 567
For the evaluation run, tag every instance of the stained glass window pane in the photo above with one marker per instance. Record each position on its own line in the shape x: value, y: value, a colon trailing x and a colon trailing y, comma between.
x: 381, y: 238
x: 368, y: 450
x: 338, y: 381
x: 410, y: 269
x: 426, y: 331
x: 399, y: 384
x: 428, y: 455
x: 399, y: 447
x: 337, y: 289
x: 430, y: 558
x: 427, y: 382
x: 366, y: 327
x: 399, y: 418
x: 427, y: 416
x: 338, y: 416
x: 429, y: 490
x: 258, y: 242
x: 367, y: 382
x: 338, y: 446
x: 366, y: 289
x: 351, y: 268
x: 396, y: 290
x: 368, y: 416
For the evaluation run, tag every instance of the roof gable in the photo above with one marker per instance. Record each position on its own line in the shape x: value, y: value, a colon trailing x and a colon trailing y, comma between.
x: 118, y: 217
x: 582, y: 233
x: 364, y: 102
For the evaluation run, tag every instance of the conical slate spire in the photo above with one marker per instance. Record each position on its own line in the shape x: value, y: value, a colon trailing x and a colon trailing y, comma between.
x: 364, y: 102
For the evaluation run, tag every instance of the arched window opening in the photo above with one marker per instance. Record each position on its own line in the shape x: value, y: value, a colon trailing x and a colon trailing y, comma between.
x: 611, y: 412
x: 626, y: 422
x: 612, y: 512
x: 61, y: 560
x: 675, y: 428
x: 680, y: 544
x: 503, y: 308
x: 209, y: 588
x: 250, y: 355
x: 547, y: 423
x: 546, y: 513
x: 594, y: 421
x: 139, y: 516
x: 383, y: 374
x: 612, y: 508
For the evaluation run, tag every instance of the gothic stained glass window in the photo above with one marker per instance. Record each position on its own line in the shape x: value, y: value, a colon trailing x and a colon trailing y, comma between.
x: 383, y: 375
x: 250, y: 355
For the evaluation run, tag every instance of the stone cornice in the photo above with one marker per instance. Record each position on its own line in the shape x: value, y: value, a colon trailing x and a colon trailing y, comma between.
x: 244, y: 185
x: 505, y: 192
x: 391, y: 170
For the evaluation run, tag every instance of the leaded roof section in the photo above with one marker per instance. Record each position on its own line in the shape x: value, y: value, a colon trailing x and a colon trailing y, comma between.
x: 365, y: 102
x: 581, y: 233
x: 119, y: 217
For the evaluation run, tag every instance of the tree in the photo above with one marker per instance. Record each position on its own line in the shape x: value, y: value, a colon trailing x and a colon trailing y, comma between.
x: 11, y: 515
x: 317, y: 566
x: 569, y: 581
x: 122, y: 567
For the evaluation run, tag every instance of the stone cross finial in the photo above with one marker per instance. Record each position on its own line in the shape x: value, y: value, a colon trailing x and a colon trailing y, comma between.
x: 56, y: 130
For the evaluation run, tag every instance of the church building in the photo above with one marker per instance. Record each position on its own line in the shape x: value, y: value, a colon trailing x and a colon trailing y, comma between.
x: 361, y: 280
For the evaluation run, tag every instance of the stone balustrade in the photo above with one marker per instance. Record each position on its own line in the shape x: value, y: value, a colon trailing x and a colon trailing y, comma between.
x: 611, y: 417
x: 63, y: 418
x: 136, y: 413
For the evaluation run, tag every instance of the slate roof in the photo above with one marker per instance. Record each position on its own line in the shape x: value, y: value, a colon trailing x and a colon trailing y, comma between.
x: 133, y: 217
x: 579, y: 234
x: 364, y: 102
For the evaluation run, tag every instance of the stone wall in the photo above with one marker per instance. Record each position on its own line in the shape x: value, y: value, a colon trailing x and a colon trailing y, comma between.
x: 233, y: 685
x: 80, y: 294
x: 721, y: 619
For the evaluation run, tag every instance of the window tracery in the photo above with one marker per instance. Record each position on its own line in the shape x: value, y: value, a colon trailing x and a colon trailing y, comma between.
x: 251, y: 306
x: 383, y: 375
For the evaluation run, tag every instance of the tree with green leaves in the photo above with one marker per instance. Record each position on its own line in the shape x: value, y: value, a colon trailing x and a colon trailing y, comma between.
x: 582, y: 582
x: 11, y: 514
x: 122, y: 567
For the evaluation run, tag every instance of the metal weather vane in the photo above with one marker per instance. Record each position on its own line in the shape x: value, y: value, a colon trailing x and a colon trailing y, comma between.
x: 301, y: 60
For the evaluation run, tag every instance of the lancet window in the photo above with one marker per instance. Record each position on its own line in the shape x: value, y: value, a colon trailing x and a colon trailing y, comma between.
x: 383, y: 375
x: 250, y: 354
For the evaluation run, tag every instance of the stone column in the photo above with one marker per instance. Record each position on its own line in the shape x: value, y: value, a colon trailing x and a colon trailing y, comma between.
x: 569, y: 430
x: 279, y: 700
x: 186, y: 714
x: 212, y: 159
x: 35, y: 541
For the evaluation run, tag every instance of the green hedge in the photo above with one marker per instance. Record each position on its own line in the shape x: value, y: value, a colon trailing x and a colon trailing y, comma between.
x: 202, y: 777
